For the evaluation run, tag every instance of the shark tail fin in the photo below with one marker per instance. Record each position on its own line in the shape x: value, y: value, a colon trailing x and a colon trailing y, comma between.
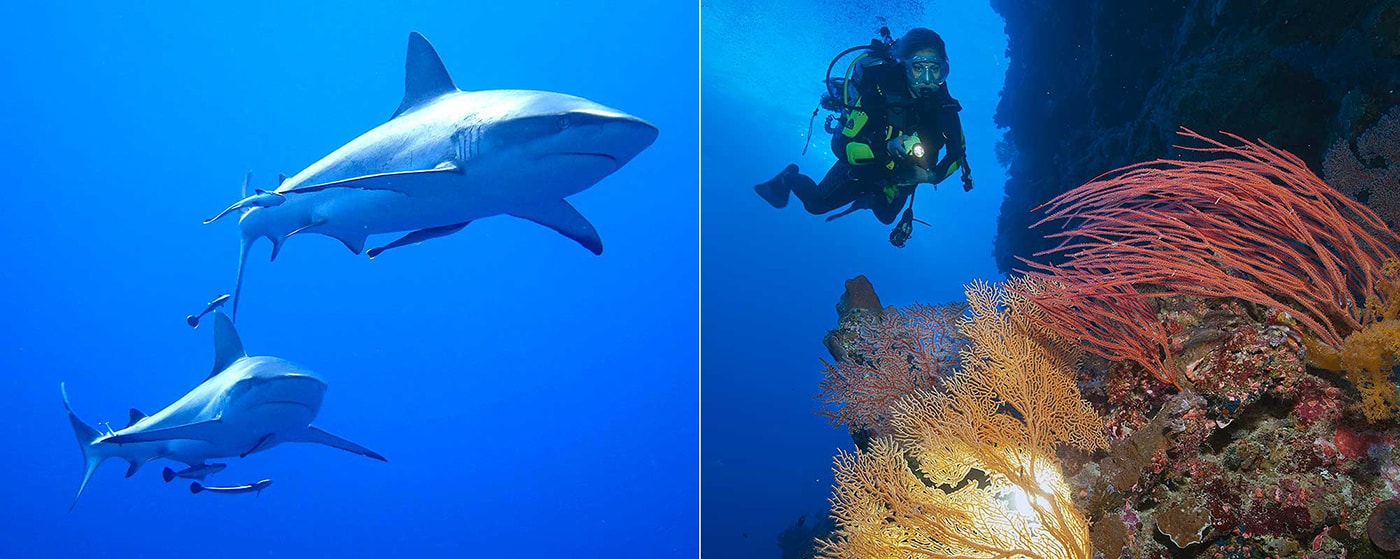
x: 244, y: 244
x: 92, y: 456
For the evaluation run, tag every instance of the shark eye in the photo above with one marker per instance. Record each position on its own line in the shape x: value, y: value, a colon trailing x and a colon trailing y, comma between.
x: 564, y: 121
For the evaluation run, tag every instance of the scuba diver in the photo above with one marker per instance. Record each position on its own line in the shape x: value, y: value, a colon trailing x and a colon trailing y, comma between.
x: 893, y: 115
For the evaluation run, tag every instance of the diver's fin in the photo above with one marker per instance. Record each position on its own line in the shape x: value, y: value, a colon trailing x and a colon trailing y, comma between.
x: 403, y: 182
x: 201, y: 431
x: 562, y: 217
x: 315, y: 435
x: 195, y: 487
x: 167, y: 474
x: 136, y: 415
x: 420, y: 236
x: 228, y: 347
x: 776, y: 192
x: 425, y: 77
x: 263, y: 444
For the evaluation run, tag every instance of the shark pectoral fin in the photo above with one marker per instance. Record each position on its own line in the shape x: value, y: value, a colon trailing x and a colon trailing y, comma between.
x: 409, y: 183
x: 276, y: 248
x: 562, y: 217
x: 131, y: 469
x: 203, y: 431
x: 263, y: 444
x: 315, y: 435
x: 356, y: 243
x: 420, y: 236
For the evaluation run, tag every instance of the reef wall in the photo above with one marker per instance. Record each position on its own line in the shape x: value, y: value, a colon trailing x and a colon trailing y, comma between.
x: 1093, y: 85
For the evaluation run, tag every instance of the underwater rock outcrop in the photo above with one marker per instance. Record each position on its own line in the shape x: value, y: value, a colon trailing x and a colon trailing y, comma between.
x: 1093, y: 85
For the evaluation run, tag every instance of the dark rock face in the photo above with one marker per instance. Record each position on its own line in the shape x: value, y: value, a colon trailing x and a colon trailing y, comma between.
x: 859, y: 294
x: 1094, y: 85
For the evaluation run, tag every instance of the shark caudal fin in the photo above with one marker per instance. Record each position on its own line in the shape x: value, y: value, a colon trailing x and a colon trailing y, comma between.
x: 243, y: 245
x: 92, y: 455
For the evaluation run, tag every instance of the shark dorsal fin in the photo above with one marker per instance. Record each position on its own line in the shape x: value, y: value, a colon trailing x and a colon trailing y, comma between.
x: 281, y: 178
x: 136, y: 415
x: 425, y: 78
x: 227, y: 347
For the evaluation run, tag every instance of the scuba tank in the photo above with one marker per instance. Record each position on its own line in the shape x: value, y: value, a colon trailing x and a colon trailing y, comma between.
x: 842, y: 91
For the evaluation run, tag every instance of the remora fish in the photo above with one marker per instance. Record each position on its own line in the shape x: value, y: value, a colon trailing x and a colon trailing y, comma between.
x: 198, y: 472
x: 255, y: 487
x: 193, y: 320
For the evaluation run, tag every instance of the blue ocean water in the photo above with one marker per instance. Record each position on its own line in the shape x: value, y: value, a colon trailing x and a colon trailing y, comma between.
x: 533, y: 400
x: 771, y: 278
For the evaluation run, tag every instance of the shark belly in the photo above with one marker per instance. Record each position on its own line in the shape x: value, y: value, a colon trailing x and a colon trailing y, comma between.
x: 364, y: 213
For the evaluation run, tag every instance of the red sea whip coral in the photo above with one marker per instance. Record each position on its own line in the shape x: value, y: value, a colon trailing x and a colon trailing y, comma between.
x: 1254, y: 223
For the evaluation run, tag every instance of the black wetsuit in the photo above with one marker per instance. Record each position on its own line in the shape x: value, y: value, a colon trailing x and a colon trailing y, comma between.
x: 866, y: 175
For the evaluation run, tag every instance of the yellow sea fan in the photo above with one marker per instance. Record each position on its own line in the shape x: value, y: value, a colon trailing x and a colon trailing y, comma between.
x: 1003, y: 415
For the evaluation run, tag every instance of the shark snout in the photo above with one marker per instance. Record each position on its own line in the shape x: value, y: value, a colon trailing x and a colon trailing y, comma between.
x: 613, y: 134
x: 298, y: 390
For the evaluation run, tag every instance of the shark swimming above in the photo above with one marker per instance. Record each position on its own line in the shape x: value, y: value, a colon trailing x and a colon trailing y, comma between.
x: 246, y: 405
x: 445, y: 158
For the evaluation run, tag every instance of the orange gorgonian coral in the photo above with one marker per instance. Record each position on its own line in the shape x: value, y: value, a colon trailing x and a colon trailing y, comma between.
x: 902, y: 352
x: 1252, y: 223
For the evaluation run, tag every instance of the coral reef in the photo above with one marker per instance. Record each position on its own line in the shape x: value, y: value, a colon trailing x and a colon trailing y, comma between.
x: 1256, y: 454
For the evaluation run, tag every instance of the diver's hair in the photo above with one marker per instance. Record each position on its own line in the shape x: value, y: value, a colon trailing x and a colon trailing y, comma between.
x: 918, y: 39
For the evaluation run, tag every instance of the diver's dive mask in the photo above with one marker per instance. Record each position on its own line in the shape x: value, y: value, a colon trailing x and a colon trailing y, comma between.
x: 926, y: 73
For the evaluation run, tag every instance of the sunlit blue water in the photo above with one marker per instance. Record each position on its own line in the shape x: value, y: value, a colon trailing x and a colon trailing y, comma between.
x: 533, y: 400
x: 772, y: 277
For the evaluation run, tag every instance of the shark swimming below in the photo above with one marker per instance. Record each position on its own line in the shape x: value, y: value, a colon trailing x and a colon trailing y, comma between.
x: 445, y: 158
x: 246, y: 405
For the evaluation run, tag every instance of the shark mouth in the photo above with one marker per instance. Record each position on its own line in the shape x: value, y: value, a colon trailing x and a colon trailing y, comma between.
x: 285, y: 402
x: 606, y: 156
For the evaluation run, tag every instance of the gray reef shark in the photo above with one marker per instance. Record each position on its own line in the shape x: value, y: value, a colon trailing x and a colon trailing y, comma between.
x: 246, y: 405
x: 445, y: 158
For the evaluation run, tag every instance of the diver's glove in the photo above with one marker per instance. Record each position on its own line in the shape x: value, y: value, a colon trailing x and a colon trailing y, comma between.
x: 905, y: 147
x: 904, y: 229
